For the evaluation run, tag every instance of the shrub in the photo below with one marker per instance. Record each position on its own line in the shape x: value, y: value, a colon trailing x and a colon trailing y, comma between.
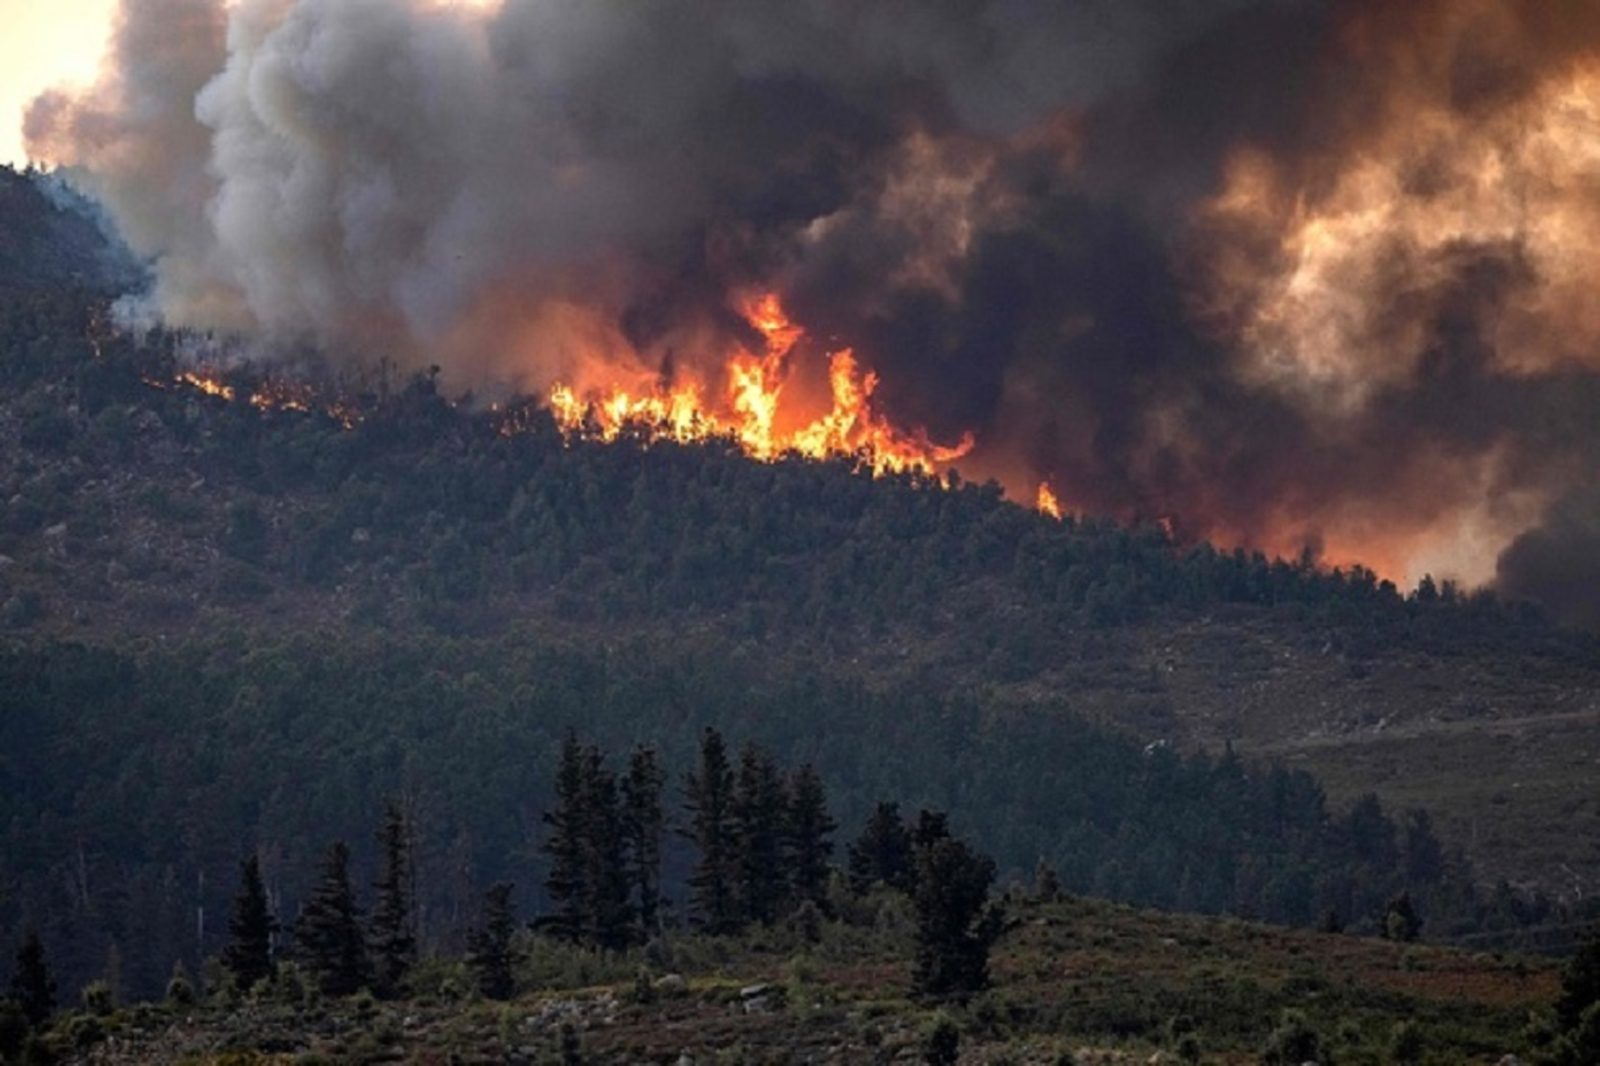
x: 84, y: 1031
x: 1293, y: 1042
x: 180, y: 990
x: 97, y: 998
x: 943, y: 1044
x: 1405, y: 1043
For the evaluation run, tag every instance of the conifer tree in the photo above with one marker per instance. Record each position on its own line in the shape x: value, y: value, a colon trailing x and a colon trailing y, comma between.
x: 759, y: 812
x: 565, y: 845
x: 810, y: 837
x: 393, y: 938
x: 328, y: 933
x: 956, y: 923
x: 607, y: 914
x: 708, y: 795
x: 882, y: 854
x: 643, y: 823
x: 32, y: 987
x: 489, y: 953
x: 248, y: 956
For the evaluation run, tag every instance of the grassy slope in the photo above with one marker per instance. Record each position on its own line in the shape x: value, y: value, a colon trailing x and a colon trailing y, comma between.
x: 1100, y: 981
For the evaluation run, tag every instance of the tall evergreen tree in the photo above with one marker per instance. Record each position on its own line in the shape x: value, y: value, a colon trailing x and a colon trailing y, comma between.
x: 489, y: 951
x: 643, y: 824
x: 32, y: 987
x: 607, y: 914
x: 328, y: 932
x: 882, y: 854
x: 759, y: 812
x: 565, y: 845
x: 392, y: 934
x: 956, y: 923
x: 708, y: 796
x: 810, y: 836
x: 248, y: 956
x: 1424, y: 856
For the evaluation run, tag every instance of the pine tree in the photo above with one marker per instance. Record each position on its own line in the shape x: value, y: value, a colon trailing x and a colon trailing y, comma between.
x: 393, y: 940
x: 32, y: 987
x: 956, y: 924
x: 248, y: 956
x: 882, y: 854
x: 708, y: 795
x: 489, y: 953
x: 759, y: 811
x: 565, y: 846
x: 810, y: 832
x: 642, y: 824
x: 607, y: 914
x: 328, y: 933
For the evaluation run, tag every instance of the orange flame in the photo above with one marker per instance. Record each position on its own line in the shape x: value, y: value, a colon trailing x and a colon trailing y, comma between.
x: 275, y: 395
x: 753, y: 410
x: 1047, y: 501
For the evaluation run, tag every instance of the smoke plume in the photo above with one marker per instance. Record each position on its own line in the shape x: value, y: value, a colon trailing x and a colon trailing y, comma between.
x: 1288, y: 274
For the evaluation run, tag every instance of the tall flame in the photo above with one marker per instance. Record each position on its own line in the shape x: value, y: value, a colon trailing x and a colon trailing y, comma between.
x: 1046, y: 502
x: 754, y: 410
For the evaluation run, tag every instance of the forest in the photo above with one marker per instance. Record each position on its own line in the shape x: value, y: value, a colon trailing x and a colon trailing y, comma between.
x: 132, y: 783
x: 247, y: 609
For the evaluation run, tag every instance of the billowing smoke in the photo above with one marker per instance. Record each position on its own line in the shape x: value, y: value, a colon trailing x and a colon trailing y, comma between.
x: 1286, y: 273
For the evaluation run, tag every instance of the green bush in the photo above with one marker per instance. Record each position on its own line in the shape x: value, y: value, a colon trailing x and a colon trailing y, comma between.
x: 1406, y: 1044
x: 1293, y: 1042
x: 97, y: 998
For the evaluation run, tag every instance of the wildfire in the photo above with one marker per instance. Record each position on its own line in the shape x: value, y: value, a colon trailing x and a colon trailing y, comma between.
x: 208, y: 385
x: 756, y: 408
x: 273, y: 395
x: 1047, y: 503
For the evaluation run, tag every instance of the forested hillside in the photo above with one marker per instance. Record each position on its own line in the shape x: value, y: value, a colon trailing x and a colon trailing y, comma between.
x: 133, y: 782
x: 244, y: 610
x: 51, y: 240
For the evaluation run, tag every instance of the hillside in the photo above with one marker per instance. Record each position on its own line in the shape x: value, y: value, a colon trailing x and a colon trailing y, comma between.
x: 139, y: 509
x: 51, y: 240
x: 243, y: 608
x: 1101, y: 983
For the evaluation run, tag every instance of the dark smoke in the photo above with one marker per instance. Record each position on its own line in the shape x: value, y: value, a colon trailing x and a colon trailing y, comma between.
x: 1286, y: 274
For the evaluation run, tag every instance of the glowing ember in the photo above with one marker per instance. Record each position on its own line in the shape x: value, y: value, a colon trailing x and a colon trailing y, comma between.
x: 268, y: 396
x: 208, y: 385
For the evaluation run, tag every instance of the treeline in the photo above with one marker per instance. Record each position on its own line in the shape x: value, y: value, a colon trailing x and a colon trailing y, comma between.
x: 762, y: 843
x: 135, y: 779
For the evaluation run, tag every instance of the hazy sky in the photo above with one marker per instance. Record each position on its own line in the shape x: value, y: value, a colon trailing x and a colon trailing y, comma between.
x: 45, y: 43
